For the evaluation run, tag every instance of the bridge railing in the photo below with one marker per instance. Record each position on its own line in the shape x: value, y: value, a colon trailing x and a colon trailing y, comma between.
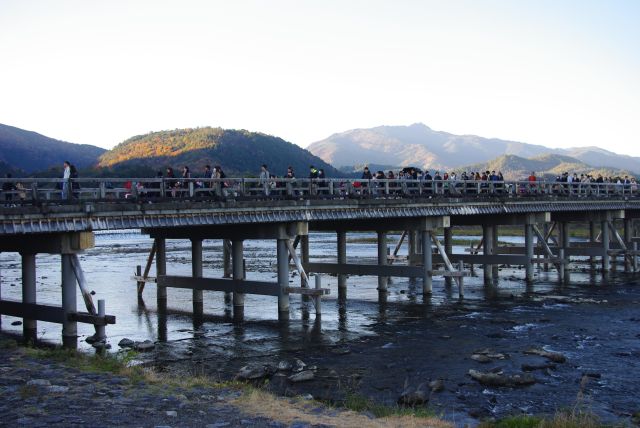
x: 29, y: 190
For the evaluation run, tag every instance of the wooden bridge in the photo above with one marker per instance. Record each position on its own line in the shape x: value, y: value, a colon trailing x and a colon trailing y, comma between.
x: 50, y: 216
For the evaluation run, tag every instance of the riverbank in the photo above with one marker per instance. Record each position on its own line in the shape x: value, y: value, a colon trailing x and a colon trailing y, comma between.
x: 40, y: 387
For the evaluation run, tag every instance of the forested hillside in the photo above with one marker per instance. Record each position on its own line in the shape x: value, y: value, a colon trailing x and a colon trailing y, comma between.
x: 238, y: 152
x: 30, y: 152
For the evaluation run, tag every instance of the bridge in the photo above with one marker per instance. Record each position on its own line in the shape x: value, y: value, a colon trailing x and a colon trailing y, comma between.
x: 59, y: 217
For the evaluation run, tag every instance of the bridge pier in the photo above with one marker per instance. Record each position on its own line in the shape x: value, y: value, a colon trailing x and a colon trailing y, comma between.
x: 565, y: 257
x: 606, y: 264
x: 488, y: 250
x: 238, y: 275
x: 69, y: 303
x: 342, y: 259
x: 448, y: 246
x: 283, y: 279
x: 161, y: 269
x: 196, y: 272
x: 382, y: 261
x: 29, y: 326
x: 427, y: 262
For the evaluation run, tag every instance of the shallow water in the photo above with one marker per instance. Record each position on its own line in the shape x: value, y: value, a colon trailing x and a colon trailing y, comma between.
x: 365, y: 347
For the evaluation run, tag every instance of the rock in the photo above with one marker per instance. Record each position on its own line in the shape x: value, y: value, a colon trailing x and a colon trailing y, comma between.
x: 126, y: 343
x: 445, y: 336
x: 532, y: 367
x: 480, y: 358
x: 145, y: 346
x: 302, y: 376
x: 592, y: 375
x: 58, y: 389
x: 556, y: 357
x: 412, y: 397
x: 307, y: 397
x: 298, y: 365
x: 218, y: 425
x: 39, y: 382
x: 500, y: 379
x: 252, y: 372
x: 101, y: 345
x: 172, y: 413
x: 284, y: 366
x: 436, y: 385
x: 16, y: 323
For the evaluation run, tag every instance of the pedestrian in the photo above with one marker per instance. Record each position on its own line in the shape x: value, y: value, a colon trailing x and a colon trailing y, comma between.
x: 264, y: 179
x: 7, y: 189
x: 75, y: 186
x: 66, y: 174
x: 171, y: 181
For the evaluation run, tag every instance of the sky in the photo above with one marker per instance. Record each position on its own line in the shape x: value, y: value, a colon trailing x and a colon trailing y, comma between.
x: 557, y: 73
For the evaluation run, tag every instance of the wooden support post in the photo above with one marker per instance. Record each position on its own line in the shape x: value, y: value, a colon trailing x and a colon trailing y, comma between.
x: 561, y: 265
x: 528, y: 242
x: 606, y: 264
x: 304, y: 279
x: 448, y: 247
x: 412, y: 248
x: 238, y: 274
x: 382, y: 260
x: 69, y: 304
x: 487, y: 249
x: 227, y: 269
x: 83, y: 285
x: 635, y: 256
x: 283, y: 279
x: 545, y: 266
x: 399, y: 244
x: 29, y: 326
x: 427, y: 263
x: 196, y: 272
x: 147, y: 268
x: 342, y: 259
x: 100, y: 329
x: 592, y: 239
x: 161, y: 269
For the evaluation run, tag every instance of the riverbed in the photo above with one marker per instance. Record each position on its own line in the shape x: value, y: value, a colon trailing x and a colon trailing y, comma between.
x: 371, y: 349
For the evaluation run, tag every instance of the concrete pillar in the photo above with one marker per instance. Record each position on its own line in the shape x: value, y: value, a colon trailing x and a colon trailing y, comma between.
x: 562, y: 266
x: 487, y: 250
x: 545, y: 232
x: 227, y: 269
x: 565, y: 244
x: 635, y: 256
x: 342, y: 259
x: 226, y: 259
x: 495, y: 273
x: 382, y: 260
x: 283, y: 279
x: 628, y: 234
x: 196, y: 272
x: 411, y: 235
x: 448, y: 247
x: 427, y: 262
x: 161, y: 268
x: 29, y: 327
x: 304, y: 255
x: 606, y: 265
x: 238, y: 274
x: 69, y: 328
x: 528, y: 243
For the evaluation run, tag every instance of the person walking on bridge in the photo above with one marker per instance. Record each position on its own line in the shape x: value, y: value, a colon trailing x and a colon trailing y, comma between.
x: 66, y: 174
x: 264, y: 179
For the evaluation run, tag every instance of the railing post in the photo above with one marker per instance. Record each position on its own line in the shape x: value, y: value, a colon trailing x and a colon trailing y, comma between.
x: 191, y: 189
x: 163, y: 188
x: 103, y: 190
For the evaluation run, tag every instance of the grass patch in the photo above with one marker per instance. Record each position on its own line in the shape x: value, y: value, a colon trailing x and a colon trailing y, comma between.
x: 563, y: 419
x: 359, y: 403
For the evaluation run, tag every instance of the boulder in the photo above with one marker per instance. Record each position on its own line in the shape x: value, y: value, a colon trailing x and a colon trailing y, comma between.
x: 252, y: 372
x: 302, y: 376
x: 412, y: 397
x: 500, y: 379
x: 556, y: 357
x: 436, y: 385
x: 145, y: 346
x: 126, y: 343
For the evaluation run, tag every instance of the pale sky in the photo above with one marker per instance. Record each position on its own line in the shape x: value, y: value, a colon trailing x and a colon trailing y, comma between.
x: 557, y: 73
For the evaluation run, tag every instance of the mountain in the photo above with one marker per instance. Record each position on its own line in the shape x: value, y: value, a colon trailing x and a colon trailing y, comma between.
x: 238, y: 152
x: 29, y: 151
x: 419, y: 145
x: 548, y: 165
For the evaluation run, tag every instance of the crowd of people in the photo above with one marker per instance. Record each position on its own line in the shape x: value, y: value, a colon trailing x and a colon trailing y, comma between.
x: 409, y: 180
